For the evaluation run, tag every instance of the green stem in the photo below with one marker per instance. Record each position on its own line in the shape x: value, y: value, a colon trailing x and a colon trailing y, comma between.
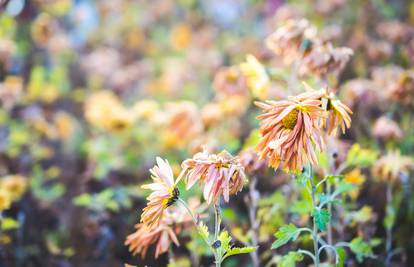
x: 315, y: 227
x: 388, y: 245
x: 330, y: 241
x: 217, y: 221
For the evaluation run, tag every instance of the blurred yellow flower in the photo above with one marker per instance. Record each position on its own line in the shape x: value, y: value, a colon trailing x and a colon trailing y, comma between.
x: 355, y: 177
x: 64, y: 124
x: 257, y: 78
x: 180, y: 36
x: 5, y: 201
x: 14, y: 186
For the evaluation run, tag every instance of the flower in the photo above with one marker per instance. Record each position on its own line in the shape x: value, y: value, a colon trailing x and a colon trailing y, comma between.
x: 355, y: 177
x: 14, y: 185
x: 288, y: 40
x: 230, y: 81
x: 143, y: 238
x: 257, y: 79
x: 324, y: 59
x: 5, y: 201
x: 222, y: 174
x: 290, y: 131
x: 390, y: 166
x: 182, y: 123
x: 387, y: 129
x: 165, y: 193
x: 164, y: 234
x: 402, y: 90
x: 338, y: 114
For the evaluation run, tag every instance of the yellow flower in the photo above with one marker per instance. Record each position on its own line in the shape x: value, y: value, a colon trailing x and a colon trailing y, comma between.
x: 391, y: 166
x: 5, y: 201
x: 64, y: 124
x: 257, y: 78
x: 14, y: 185
x: 181, y: 37
x: 355, y: 177
x: 164, y: 194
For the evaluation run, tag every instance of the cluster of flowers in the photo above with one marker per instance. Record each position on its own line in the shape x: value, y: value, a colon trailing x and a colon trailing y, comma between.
x: 221, y: 175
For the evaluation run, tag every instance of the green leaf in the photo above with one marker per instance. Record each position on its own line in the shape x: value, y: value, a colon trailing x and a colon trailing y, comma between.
x: 290, y: 259
x: 8, y: 223
x: 236, y: 251
x: 361, y: 249
x: 203, y: 230
x: 321, y: 217
x: 340, y: 251
x: 225, y: 239
x: 285, y: 234
x: 302, y: 207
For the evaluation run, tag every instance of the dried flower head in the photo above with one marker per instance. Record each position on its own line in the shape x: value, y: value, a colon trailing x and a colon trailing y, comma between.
x: 290, y: 132
x: 182, y: 123
x: 338, y: 114
x: 140, y: 241
x: 289, y: 39
x: 324, y: 59
x: 395, y: 31
x: 402, y: 90
x: 387, y: 129
x: 165, y: 193
x: 230, y: 81
x: 221, y: 174
x: 391, y: 166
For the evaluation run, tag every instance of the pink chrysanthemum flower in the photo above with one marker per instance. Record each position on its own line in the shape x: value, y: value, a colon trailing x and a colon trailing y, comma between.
x: 222, y: 174
x: 164, y: 194
x: 290, y: 131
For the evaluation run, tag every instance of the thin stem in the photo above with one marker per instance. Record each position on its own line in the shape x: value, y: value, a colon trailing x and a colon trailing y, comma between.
x: 305, y: 252
x: 253, y: 220
x: 217, y: 221
x: 330, y: 241
x: 315, y: 228
x: 388, y: 244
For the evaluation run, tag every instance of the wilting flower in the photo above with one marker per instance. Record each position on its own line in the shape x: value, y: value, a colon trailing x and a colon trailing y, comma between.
x: 144, y: 237
x: 164, y: 234
x: 395, y: 31
x: 230, y: 81
x: 290, y: 132
x: 221, y: 174
x: 361, y: 91
x: 387, y: 129
x: 403, y: 89
x: 256, y: 75
x: 289, y: 39
x: 182, y: 123
x: 14, y: 185
x: 324, y: 59
x: 338, y: 114
x: 165, y: 193
x: 390, y: 166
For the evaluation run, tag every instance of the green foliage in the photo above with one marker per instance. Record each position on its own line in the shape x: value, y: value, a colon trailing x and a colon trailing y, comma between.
x: 321, y: 217
x: 290, y: 259
x: 361, y: 249
x: 108, y: 199
x: 358, y: 156
x: 301, y: 207
x: 389, y: 218
x: 9, y: 223
x: 341, y: 254
x: 285, y: 234
x: 225, y: 251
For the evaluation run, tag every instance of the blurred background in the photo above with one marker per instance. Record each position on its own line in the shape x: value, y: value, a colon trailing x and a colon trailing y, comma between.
x: 92, y: 91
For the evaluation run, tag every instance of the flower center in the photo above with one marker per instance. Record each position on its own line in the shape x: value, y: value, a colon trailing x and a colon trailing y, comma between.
x: 290, y: 120
x: 174, y: 194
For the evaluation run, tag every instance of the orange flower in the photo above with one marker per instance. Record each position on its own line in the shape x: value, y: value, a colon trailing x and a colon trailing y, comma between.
x: 143, y: 238
x: 338, y: 114
x: 164, y: 194
x: 290, y: 131
x: 222, y: 174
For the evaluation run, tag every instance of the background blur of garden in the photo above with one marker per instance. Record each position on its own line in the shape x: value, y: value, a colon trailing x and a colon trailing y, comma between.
x: 92, y: 91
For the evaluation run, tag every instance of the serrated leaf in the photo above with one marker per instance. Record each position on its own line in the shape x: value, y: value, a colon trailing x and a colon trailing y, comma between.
x: 236, y: 251
x: 361, y: 249
x: 290, y: 259
x: 285, y: 234
x: 321, y: 217
x: 203, y: 230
